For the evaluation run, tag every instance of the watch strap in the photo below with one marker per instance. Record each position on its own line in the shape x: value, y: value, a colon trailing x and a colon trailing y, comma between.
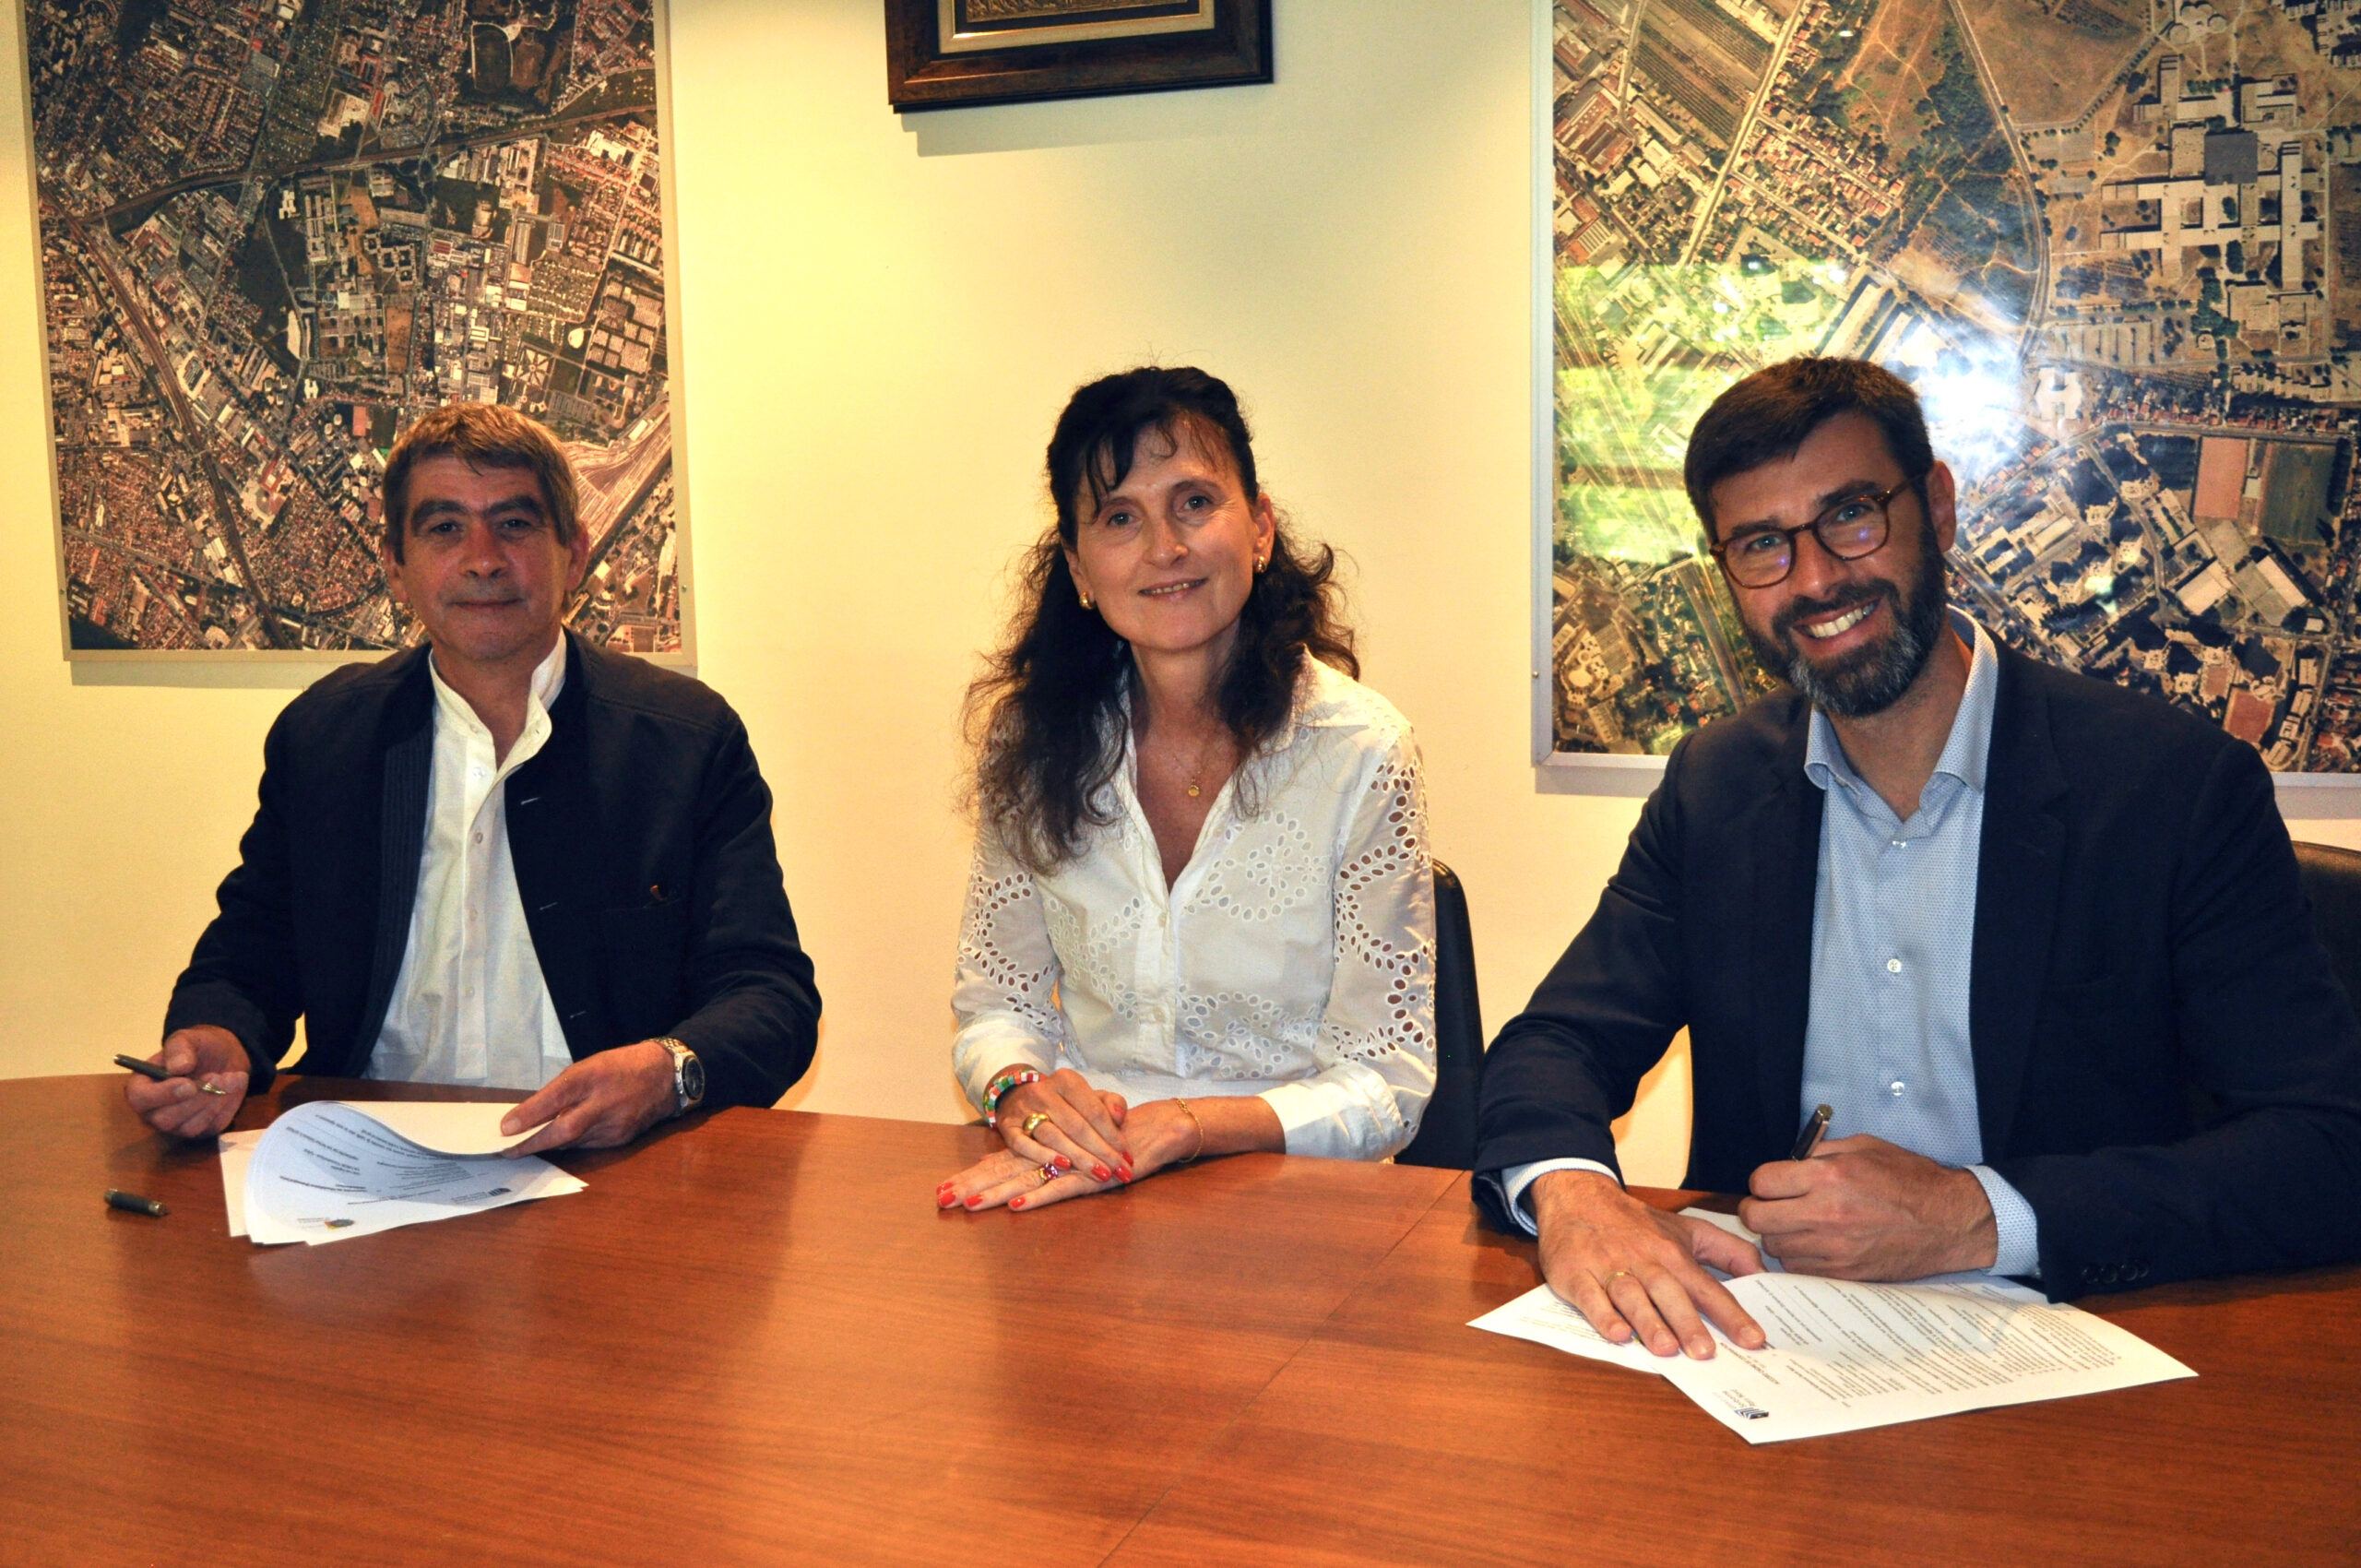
x: 682, y: 1057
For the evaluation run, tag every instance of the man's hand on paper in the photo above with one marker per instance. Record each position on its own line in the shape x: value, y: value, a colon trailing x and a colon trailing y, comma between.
x: 201, y: 1053
x: 598, y: 1102
x: 1635, y: 1270
x: 1862, y: 1208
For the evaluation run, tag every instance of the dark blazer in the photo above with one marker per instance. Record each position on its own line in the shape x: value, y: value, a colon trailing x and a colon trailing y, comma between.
x: 2166, y: 1066
x: 642, y: 843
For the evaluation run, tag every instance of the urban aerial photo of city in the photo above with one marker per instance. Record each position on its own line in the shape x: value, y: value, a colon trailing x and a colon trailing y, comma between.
x: 2115, y: 244
x: 275, y: 231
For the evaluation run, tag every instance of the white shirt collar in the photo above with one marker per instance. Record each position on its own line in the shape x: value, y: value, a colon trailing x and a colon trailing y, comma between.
x: 549, y: 679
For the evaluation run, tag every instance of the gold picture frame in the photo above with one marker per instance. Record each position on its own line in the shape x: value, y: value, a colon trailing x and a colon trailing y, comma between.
x: 951, y: 54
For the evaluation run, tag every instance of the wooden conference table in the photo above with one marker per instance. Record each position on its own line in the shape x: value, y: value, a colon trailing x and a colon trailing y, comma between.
x: 754, y: 1339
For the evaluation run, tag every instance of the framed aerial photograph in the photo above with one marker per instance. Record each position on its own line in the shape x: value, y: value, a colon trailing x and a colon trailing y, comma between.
x: 948, y: 54
x: 2114, y: 246
x: 273, y: 233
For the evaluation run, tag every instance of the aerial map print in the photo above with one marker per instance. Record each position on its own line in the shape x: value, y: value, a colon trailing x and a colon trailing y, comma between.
x: 275, y: 231
x: 2115, y: 244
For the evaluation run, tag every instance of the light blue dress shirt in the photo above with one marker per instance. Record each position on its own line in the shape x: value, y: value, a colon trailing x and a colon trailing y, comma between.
x: 1892, y: 949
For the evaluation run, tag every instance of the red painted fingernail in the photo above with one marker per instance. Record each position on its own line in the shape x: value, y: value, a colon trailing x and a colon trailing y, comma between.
x: 1127, y: 1173
x: 975, y: 1200
x: 1102, y: 1173
x: 1016, y: 1203
x: 1062, y: 1163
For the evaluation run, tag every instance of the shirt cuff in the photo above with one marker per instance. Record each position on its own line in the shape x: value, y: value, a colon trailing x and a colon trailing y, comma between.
x: 2020, y: 1249
x: 1326, y: 1119
x: 1515, y: 1179
x: 994, y: 1054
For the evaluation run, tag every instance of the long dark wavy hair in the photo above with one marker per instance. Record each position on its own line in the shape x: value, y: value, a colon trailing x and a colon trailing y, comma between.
x: 1046, y: 714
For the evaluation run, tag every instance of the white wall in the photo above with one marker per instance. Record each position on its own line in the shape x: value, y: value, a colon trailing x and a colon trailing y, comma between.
x: 882, y: 317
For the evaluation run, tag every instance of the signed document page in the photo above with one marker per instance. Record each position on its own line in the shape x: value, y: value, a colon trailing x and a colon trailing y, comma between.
x: 334, y: 1170
x: 1844, y: 1356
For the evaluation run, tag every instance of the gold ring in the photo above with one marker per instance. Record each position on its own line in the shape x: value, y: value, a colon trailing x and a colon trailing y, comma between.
x: 1034, y: 1120
x: 1610, y: 1279
x: 1048, y: 1173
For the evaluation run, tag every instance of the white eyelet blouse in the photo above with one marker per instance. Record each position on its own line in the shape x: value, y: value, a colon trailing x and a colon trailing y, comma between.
x: 1293, y: 959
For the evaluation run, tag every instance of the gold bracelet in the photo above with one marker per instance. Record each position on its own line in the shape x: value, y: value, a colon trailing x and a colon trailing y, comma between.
x: 1195, y: 1123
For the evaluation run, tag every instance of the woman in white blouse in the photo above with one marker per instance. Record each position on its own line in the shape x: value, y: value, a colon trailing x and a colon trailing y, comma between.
x: 1202, y: 915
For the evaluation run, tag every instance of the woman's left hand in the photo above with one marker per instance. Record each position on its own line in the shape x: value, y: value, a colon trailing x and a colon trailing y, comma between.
x: 1160, y: 1133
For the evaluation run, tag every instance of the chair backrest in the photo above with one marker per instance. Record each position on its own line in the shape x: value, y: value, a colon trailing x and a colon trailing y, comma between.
x: 2331, y: 880
x: 1447, y: 1134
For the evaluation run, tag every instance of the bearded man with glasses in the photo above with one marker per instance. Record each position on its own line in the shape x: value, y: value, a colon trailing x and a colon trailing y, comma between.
x: 2036, y: 940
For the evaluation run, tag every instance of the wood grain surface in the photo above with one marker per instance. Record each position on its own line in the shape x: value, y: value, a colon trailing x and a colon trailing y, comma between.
x: 1397, y: 1430
x: 754, y: 1339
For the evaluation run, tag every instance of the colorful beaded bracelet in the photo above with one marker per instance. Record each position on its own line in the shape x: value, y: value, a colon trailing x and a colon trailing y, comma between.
x: 1000, y: 1086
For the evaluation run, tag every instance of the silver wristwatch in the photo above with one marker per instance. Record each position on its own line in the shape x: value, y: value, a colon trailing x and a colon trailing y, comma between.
x: 688, y: 1077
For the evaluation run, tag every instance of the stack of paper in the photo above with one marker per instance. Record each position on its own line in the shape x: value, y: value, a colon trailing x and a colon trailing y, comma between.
x: 332, y: 1169
x: 1844, y: 1356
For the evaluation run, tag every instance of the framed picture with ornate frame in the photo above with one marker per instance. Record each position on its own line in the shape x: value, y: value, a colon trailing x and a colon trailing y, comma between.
x: 952, y: 53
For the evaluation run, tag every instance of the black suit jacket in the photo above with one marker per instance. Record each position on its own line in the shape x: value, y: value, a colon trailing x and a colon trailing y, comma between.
x: 641, y: 839
x: 2166, y: 1066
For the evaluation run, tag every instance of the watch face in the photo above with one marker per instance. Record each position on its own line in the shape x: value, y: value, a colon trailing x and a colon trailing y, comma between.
x: 692, y: 1079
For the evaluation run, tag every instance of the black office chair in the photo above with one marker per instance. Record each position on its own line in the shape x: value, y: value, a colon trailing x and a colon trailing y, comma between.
x: 1447, y: 1134
x: 2331, y: 880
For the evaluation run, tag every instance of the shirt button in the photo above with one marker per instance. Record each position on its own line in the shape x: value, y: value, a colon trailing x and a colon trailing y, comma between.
x: 1892, y: 966
x: 479, y: 840
x: 1902, y: 843
x: 1895, y: 1088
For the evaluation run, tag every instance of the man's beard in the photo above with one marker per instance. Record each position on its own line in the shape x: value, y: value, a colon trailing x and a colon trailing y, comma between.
x: 1870, y: 679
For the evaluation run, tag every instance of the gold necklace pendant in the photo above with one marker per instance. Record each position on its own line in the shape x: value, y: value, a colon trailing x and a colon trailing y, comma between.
x: 1192, y: 788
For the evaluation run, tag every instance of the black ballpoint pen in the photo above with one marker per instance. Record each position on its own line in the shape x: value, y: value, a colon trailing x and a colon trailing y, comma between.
x: 1809, y: 1139
x: 132, y: 1203
x: 150, y: 1070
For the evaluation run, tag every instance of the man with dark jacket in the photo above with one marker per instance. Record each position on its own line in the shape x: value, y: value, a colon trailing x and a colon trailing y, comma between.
x: 2037, y: 941
x: 507, y: 857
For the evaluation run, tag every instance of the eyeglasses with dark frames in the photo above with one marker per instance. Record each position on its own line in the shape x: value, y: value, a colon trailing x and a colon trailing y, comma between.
x: 1855, y: 527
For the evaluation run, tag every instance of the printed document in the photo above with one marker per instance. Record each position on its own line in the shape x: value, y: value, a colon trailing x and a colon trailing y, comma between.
x: 332, y: 1170
x: 1844, y: 1356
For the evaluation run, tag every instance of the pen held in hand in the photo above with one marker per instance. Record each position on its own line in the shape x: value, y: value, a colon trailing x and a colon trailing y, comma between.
x: 153, y: 1070
x: 1814, y: 1126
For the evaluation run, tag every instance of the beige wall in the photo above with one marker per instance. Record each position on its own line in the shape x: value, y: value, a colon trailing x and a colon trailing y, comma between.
x: 882, y: 318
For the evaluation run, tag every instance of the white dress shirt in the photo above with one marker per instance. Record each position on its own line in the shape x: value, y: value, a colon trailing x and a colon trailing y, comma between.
x: 470, y: 1005
x: 1893, y: 924
x: 1293, y: 958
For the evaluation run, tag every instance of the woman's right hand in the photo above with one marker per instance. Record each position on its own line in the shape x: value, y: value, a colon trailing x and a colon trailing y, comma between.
x: 1062, y: 1115
x: 1167, y: 1134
